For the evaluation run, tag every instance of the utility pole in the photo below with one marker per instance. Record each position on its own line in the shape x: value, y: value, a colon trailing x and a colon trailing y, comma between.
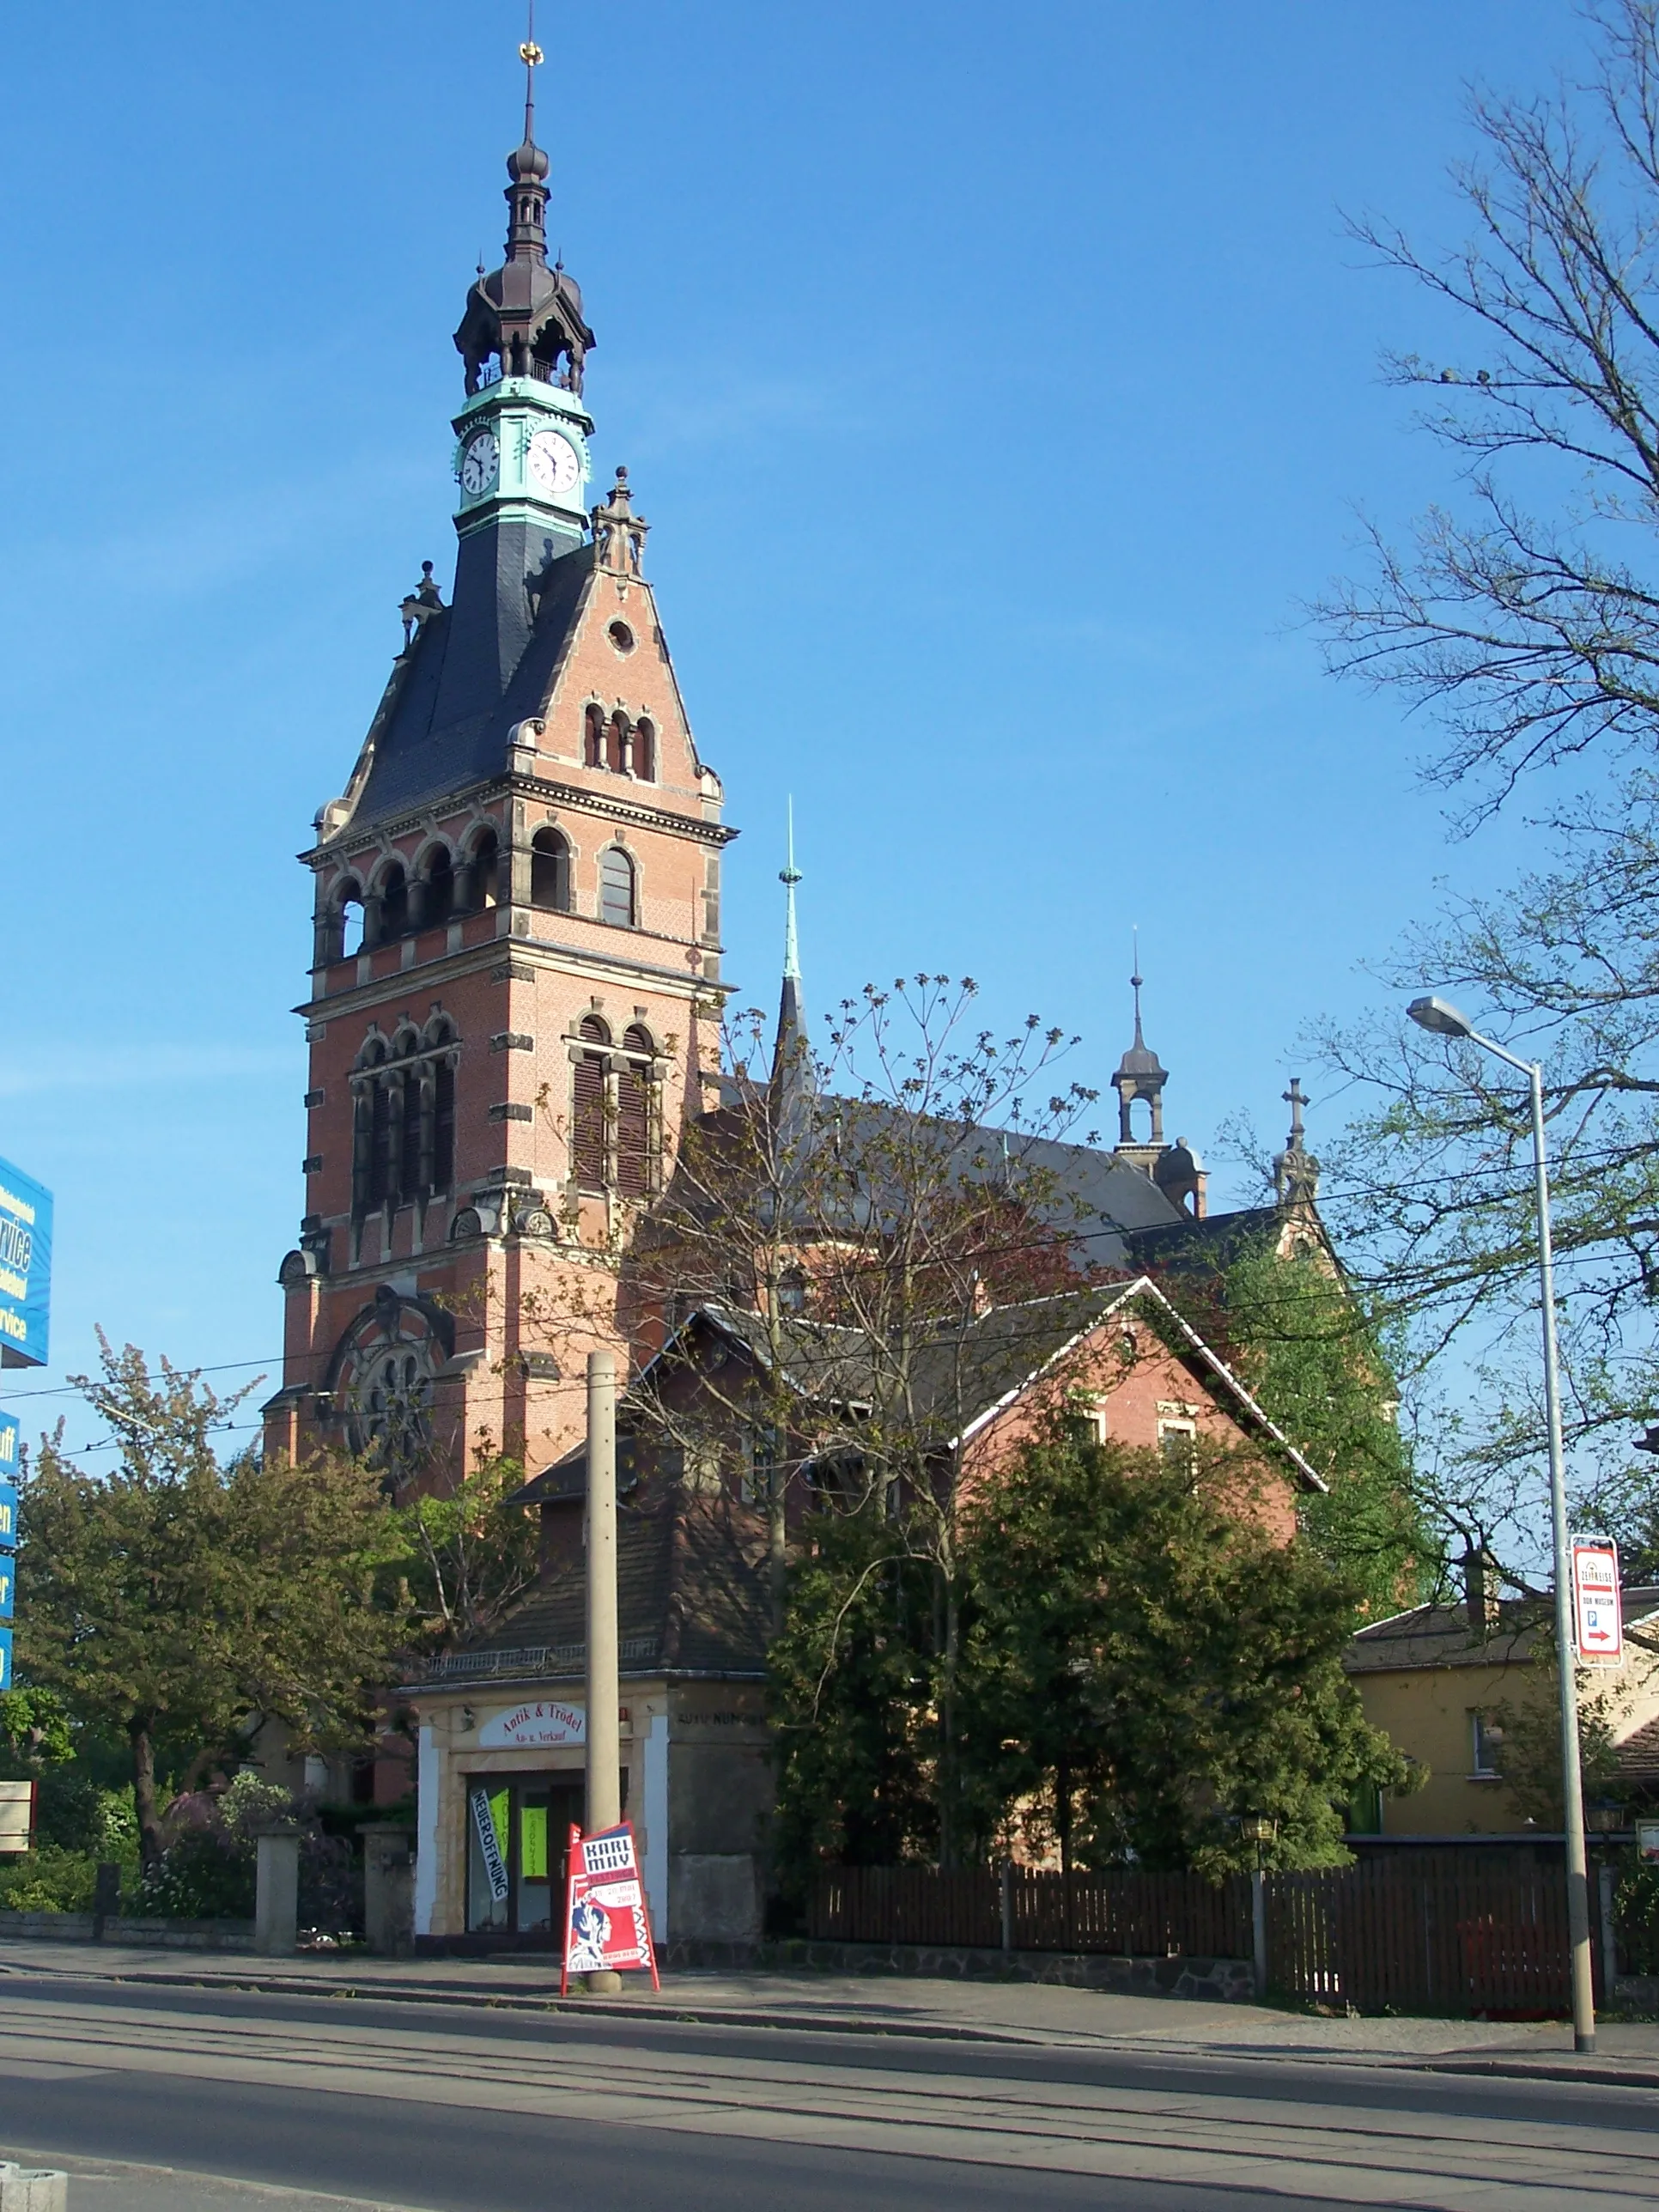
x: 604, y: 1693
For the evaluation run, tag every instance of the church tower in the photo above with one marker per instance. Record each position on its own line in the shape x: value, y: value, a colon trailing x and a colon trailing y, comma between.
x: 515, y: 937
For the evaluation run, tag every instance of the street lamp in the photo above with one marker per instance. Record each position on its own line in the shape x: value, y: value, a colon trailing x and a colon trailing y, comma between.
x: 1444, y: 1019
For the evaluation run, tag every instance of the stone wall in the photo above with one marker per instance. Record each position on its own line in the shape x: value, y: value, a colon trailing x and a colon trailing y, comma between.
x: 162, y: 1934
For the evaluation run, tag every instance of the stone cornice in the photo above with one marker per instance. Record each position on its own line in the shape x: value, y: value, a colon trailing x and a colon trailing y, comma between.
x: 539, y: 950
x: 550, y: 791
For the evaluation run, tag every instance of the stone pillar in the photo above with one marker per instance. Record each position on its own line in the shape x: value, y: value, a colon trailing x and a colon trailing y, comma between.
x: 604, y: 1691
x: 276, y: 1896
x: 388, y: 1888
x: 32, y: 2189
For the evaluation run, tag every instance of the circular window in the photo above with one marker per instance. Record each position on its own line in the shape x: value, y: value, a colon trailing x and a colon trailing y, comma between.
x: 621, y: 636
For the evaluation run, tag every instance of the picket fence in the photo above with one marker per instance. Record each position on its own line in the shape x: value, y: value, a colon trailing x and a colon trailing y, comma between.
x: 1428, y: 1931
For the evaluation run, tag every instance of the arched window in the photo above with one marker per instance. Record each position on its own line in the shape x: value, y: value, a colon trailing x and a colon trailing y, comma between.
x: 412, y: 1176
x: 443, y: 1126
x: 394, y: 903
x: 593, y: 737
x: 403, y: 1127
x: 340, y: 931
x: 550, y: 872
x: 636, y: 1038
x: 616, y: 743
x: 440, y: 888
x: 645, y: 751
x: 486, y: 869
x: 588, y: 1105
x: 617, y: 888
x: 379, y: 1143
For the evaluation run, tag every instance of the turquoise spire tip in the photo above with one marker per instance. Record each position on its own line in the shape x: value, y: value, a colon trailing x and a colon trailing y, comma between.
x: 789, y: 876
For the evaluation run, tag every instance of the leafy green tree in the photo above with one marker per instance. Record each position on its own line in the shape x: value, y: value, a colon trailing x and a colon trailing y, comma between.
x: 1307, y: 1344
x: 1156, y: 1667
x: 462, y: 1560
x: 35, y: 1732
x: 850, y: 1694
x: 181, y: 1600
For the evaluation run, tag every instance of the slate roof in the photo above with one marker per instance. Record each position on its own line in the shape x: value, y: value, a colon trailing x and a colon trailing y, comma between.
x: 444, y: 721
x: 969, y: 1373
x: 1444, y: 1636
x: 690, y: 1588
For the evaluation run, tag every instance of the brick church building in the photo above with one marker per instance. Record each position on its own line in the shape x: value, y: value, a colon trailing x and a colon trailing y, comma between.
x: 513, y: 1007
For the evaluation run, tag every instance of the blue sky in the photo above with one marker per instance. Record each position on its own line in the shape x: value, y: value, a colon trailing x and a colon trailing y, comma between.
x: 998, y: 384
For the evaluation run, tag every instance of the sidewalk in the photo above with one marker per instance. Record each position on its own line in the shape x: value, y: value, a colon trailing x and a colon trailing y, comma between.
x: 977, y: 2011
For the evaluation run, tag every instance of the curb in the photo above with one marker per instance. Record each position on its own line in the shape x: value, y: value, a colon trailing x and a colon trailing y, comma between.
x: 1596, y: 2071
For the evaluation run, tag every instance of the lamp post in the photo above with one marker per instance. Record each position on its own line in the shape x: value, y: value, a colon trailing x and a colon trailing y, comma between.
x: 1444, y: 1020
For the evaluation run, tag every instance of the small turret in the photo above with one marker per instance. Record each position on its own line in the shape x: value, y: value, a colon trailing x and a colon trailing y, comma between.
x: 1139, y: 1076
x: 523, y: 314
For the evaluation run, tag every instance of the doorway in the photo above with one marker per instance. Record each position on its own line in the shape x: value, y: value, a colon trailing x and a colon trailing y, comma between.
x: 518, y: 1832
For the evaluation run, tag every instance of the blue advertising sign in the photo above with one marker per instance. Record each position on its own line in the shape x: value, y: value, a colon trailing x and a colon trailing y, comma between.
x: 5, y: 1658
x: 8, y: 1584
x: 8, y: 1517
x: 25, y: 1267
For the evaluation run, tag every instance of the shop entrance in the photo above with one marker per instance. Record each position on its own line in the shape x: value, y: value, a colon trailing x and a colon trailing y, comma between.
x: 517, y: 1830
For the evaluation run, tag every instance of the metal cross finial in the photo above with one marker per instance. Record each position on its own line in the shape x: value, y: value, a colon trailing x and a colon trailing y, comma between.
x: 789, y: 876
x: 1294, y: 1099
x: 1134, y: 985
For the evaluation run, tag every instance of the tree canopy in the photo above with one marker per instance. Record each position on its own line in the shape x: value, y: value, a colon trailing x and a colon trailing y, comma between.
x: 179, y: 1600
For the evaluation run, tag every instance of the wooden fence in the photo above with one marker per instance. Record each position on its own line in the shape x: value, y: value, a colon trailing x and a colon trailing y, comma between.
x: 1126, y: 1914
x: 1431, y: 1932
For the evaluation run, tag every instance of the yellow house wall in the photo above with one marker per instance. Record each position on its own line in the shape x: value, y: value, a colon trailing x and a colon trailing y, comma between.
x: 1428, y: 1713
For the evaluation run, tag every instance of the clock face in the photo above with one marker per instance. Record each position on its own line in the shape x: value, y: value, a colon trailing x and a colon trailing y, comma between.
x: 480, y: 463
x: 552, y: 461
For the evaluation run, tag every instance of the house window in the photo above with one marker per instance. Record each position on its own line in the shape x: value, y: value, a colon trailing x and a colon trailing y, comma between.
x: 1178, y: 1442
x: 1486, y: 1740
x: 616, y: 889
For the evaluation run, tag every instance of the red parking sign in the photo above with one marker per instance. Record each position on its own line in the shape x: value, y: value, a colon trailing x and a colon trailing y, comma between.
x: 1598, y: 1626
x: 606, y: 1923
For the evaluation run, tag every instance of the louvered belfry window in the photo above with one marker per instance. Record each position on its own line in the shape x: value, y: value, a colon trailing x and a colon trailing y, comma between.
x: 633, y: 1133
x: 379, y: 1143
x: 443, y: 1126
x: 412, y: 1179
x: 587, y: 1132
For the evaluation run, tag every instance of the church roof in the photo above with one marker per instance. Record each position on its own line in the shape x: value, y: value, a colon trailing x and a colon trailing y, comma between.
x: 691, y: 1593
x: 445, y: 718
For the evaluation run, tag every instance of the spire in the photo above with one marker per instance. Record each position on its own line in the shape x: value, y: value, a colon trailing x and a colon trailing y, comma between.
x: 789, y: 876
x: 524, y: 313
x: 792, y: 1052
x: 530, y: 55
x: 1139, y: 1075
x: 1295, y: 1171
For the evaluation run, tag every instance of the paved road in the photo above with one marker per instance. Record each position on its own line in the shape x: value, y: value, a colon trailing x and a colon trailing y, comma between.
x: 449, y: 2111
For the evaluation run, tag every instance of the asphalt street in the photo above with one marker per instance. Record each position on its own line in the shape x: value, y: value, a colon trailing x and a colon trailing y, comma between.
x: 446, y: 2110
